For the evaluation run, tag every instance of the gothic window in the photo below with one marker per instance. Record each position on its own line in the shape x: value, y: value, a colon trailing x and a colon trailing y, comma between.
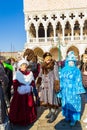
x: 67, y: 26
x: 85, y: 24
x: 85, y: 27
x: 76, y: 26
x: 58, y: 29
x: 32, y: 30
x: 41, y: 32
x: 50, y: 30
x: 67, y: 29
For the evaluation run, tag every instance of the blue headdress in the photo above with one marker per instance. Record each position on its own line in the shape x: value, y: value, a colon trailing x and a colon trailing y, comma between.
x: 71, y: 57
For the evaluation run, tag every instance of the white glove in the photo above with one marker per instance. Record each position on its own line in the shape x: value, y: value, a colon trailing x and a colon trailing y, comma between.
x: 23, y: 89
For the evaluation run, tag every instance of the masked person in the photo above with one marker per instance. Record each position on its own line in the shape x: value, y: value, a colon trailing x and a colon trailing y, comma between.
x: 71, y: 88
x: 34, y: 66
x: 48, y: 82
x: 22, y: 108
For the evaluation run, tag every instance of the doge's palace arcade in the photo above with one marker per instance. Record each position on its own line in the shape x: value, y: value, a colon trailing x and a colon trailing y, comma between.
x: 56, y: 26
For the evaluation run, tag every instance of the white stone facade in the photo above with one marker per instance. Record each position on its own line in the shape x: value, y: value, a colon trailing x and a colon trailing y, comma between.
x: 52, y: 25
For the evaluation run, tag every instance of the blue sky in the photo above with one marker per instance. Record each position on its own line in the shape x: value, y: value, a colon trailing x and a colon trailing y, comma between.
x: 12, y: 31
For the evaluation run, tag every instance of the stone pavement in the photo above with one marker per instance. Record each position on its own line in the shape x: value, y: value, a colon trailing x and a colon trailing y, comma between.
x: 58, y: 124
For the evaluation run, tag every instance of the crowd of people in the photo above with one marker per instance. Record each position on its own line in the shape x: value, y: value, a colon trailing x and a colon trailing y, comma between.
x: 27, y: 84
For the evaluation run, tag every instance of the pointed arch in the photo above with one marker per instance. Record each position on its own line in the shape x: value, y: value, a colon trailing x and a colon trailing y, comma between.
x: 39, y: 52
x: 41, y: 32
x: 67, y: 29
x: 85, y: 27
x: 32, y: 30
x: 58, y: 29
x: 50, y: 30
x: 76, y: 28
x: 56, y: 53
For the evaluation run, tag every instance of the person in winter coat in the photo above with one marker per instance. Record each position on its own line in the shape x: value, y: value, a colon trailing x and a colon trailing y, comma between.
x: 4, y: 101
x: 9, y: 71
x: 48, y: 82
x: 22, y: 107
x: 71, y: 88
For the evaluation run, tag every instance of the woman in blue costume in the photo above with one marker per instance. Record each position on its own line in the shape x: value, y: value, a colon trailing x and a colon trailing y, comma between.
x: 71, y: 89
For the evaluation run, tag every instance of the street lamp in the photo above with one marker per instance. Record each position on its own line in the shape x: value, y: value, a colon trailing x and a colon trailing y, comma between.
x: 59, y: 51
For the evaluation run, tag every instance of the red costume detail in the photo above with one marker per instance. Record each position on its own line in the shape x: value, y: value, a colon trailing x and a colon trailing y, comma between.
x: 22, y: 108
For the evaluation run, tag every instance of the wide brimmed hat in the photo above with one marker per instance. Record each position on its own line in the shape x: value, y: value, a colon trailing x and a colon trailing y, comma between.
x: 23, y: 61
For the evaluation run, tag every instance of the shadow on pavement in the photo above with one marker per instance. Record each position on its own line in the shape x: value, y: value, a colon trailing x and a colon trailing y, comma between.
x: 63, y: 125
x: 40, y: 110
x: 17, y: 127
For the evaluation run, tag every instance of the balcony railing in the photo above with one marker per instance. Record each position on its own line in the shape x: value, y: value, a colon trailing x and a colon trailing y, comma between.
x: 52, y: 40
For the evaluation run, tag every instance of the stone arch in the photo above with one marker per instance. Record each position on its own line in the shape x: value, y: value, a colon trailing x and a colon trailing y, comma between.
x: 67, y: 29
x: 41, y: 32
x: 76, y: 51
x: 38, y: 51
x: 50, y: 30
x: 58, y: 29
x: 76, y: 28
x: 29, y: 24
x: 32, y: 30
x: 56, y: 53
x: 67, y: 19
x: 85, y: 27
x: 39, y: 22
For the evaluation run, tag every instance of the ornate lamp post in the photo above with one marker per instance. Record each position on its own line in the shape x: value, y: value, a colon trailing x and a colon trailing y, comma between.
x: 59, y: 52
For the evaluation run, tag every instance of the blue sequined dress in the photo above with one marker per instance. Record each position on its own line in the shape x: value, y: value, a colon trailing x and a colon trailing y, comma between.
x: 71, y: 90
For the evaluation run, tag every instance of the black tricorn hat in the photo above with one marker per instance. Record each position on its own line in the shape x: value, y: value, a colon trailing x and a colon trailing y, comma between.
x: 46, y: 54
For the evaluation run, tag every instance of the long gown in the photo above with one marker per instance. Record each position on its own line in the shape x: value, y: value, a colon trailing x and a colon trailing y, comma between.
x: 22, y: 108
x: 71, y: 89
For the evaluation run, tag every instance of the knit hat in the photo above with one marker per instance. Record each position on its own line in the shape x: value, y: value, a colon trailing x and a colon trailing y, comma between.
x: 23, y: 61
